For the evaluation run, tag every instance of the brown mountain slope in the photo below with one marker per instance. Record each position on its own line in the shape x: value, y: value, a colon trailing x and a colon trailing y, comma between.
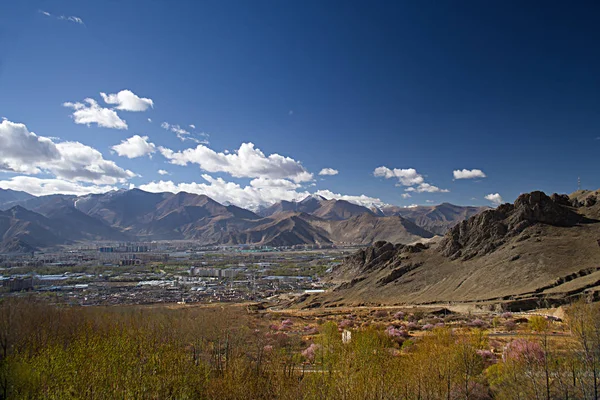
x: 332, y: 209
x: 437, y: 219
x: 539, y: 249
x: 138, y: 215
x: 367, y: 228
x: 337, y: 210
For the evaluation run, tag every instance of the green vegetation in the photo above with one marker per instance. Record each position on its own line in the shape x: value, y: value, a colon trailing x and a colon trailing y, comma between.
x: 222, y: 352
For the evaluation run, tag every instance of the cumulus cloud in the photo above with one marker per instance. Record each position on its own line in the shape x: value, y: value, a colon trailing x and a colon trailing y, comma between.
x: 25, y: 152
x: 126, y: 100
x: 246, y: 162
x: 74, y: 19
x: 468, y: 174
x: 183, y: 134
x: 92, y: 113
x: 406, y: 195
x: 329, y: 171
x: 410, y: 178
x: 83, y: 163
x: 265, y: 183
x: 495, y: 198
x: 42, y: 187
x: 163, y: 172
x: 426, y: 188
x: 406, y: 177
x: 135, y: 146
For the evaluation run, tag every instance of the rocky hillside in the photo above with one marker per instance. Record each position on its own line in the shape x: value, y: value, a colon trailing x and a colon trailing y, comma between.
x: 541, y: 249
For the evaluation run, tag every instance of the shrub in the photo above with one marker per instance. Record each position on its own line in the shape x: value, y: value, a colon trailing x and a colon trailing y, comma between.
x: 412, y: 326
x: 478, y: 323
x: 524, y: 351
x: 311, y: 352
x: 399, y: 315
x: 510, y: 325
x: 345, y: 323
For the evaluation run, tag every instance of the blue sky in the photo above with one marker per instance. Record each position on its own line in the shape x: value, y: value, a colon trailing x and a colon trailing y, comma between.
x: 423, y: 89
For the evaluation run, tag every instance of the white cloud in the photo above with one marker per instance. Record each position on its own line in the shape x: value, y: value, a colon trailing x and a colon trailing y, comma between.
x: 246, y: 162
x: 83, y: 163
x: 265, y: 183
x: 192, y: 126
x: 150, y: 120
x: 329, y: 171
x: 495, y: 198
x: 42, y: 187
x: 126, y: 100
x: 412, y: 206
x: 468, y: 174
x: 183, y: 134
x: 163, y: 172
x: 135, y: 146
x: 25, y: 152
x: 426, y: 188
x: 406, y: 195
x: 408, y: 177
x: 77, y: 20
x: 92, y: 113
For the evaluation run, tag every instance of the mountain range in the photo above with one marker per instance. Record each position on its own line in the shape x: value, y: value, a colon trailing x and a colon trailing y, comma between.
x: 28, y: 222
x: 541, y: 250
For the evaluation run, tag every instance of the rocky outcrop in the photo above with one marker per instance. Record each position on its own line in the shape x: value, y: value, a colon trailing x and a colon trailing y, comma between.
x: 380, y: 255
x: 485, y: 232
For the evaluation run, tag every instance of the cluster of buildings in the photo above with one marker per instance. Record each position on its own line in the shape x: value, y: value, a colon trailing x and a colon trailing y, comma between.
x: 154, y: 273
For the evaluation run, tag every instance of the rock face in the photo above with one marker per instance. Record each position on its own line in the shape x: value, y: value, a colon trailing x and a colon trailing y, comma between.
x: 483, y: 233
x: 381, y: 255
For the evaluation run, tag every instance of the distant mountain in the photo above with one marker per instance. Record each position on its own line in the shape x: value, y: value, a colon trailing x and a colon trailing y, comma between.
x: 437, y: 219
x: 57, y: 222
x: 318, y: 206
x: 23, y: 230
x: 542, y: 250
x: 368, y: 228
x: 138, y: 215
x: 9, y: 197
x: 120, y: 208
